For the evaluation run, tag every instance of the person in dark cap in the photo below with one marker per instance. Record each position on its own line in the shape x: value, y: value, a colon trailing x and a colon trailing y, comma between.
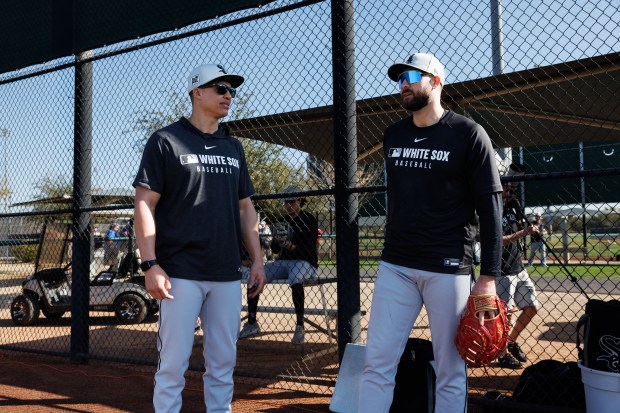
x: 295, y: 243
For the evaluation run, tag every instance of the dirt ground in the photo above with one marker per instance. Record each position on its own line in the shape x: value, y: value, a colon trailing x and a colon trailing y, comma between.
x: 39, y: 383
x: 45, y: 384
x: 35, y: 383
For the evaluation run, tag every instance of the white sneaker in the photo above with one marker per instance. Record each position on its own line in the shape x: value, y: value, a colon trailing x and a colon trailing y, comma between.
x: 298, y: 336
x: 197, y: 336
x: 249, y: 330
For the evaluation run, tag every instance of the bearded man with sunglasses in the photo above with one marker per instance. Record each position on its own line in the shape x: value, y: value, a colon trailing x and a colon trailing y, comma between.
x: 441, y: 171
x: 192, y: 213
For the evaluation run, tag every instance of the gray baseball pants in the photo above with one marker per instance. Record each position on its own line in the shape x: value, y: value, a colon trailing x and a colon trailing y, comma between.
x: 219, y: 306
x: 397, y: 300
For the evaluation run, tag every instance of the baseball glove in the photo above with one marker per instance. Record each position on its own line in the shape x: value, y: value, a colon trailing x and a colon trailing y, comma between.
x: 479, y: 344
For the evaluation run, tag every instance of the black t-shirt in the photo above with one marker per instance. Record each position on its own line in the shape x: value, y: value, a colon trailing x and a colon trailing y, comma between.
x: 540, y: 236
x: 201, y: 177
x: 302, y: 231
x: 435, y: 175
x: 511, y: 253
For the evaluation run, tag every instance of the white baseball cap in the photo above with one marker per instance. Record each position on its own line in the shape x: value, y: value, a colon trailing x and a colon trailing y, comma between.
x: 204, y: 74
x: 418, y: 61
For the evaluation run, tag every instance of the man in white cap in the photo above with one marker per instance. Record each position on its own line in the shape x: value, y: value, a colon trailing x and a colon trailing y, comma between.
x: 192, y: 213
x: 538, y: 243
x: 441, y: 171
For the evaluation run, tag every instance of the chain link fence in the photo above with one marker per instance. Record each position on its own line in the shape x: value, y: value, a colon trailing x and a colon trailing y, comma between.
x: 542, y: 78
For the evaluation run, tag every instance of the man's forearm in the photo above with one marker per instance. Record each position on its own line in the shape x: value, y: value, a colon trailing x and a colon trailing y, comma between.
x: 249, y: 229
x: 144, y: 229
x: 489, y: 208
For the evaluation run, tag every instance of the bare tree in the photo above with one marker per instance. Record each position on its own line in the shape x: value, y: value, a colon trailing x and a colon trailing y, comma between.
x: 322, y: 176
x: 269, y: 165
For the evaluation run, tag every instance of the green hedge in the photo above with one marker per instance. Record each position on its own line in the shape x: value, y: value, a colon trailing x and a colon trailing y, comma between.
x: 25, y: 253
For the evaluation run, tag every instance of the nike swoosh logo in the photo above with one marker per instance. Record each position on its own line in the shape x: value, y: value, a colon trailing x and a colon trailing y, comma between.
x: 416, y: 140
x: 209, y: 147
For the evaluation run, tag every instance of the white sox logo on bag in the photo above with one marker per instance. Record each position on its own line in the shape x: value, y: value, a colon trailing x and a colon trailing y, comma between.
x: 611, y: 345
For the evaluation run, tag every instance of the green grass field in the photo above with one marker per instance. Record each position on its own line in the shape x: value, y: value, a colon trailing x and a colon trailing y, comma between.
x: 596, y: 247
x: 604, y: 249
x: 583, y: 271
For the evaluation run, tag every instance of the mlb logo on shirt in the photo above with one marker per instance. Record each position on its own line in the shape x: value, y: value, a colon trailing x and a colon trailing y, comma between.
x: 189, y: 159
x: 451, y: 262
x: 395, y: 152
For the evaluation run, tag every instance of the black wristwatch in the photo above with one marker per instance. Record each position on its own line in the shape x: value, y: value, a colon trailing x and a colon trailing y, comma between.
x: 147, y: 265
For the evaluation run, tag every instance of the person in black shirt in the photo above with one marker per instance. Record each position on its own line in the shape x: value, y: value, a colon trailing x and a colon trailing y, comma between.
x: 514, y: 286
x: 441, y: 171
x: 192, y: 211
x: 295, y: 242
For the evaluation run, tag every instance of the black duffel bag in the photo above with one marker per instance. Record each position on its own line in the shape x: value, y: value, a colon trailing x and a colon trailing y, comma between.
x: 601, y: 336
x: 415, y: 379
x: 551, y: 383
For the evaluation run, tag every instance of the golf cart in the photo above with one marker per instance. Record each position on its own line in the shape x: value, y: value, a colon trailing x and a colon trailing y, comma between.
x: 119, y: 289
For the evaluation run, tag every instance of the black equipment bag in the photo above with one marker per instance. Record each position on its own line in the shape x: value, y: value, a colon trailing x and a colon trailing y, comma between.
x: 601, y: 337
x: 415, y: 379
x: 551, y: 383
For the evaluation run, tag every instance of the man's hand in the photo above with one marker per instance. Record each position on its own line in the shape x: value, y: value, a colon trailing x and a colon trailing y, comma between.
x: 531, y: 230
x: 478, y: 344
x: 484, y: 286
x: 158, y: 283
x: 257, y: 279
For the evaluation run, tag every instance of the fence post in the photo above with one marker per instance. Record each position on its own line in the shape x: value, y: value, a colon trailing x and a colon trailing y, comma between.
x: 345, y: 165
x: 565, y: 240
x: 82, y: 159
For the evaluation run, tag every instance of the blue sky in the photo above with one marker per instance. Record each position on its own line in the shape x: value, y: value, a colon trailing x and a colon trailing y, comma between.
x: 287, y: 61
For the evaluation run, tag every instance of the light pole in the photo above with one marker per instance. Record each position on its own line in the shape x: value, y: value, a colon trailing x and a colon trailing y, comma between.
x: 5, y: 191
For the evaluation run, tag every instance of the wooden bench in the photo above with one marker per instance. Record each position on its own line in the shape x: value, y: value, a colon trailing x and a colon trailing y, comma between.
x: 325, y: 311
x: 328, y: 313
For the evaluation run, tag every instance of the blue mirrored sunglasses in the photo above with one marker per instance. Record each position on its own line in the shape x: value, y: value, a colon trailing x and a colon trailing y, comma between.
x: 411, y: 76
x: 221, y: 89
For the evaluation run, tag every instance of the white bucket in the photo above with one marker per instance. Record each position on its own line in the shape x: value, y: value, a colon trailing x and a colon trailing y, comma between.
x: 602, y: 390
x: 347, y: 389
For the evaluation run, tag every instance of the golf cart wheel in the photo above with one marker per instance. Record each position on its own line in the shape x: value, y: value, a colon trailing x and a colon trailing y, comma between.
x: 130, y: 309
x: 51, y: 316
x: 24, y: 310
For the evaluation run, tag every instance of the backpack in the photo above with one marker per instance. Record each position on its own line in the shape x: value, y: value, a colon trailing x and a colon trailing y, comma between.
x: 415, y: 379
x: 601, y: 336
x: 551, y: 383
